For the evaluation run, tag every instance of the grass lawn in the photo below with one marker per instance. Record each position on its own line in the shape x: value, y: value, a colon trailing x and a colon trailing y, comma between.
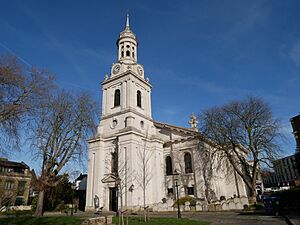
x: 161, y: 221
x: 59, y: 220
x: 68, y: 220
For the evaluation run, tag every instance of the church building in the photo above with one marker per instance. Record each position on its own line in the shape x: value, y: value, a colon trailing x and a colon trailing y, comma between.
x: 135, y: 161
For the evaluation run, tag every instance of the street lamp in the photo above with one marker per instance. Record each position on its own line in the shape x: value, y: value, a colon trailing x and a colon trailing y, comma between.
x: 176, y: 177
x: 72, y: 196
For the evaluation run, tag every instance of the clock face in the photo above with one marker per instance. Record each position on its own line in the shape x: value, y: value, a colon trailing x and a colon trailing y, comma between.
x: 116, y: 69
x: 140, y: 70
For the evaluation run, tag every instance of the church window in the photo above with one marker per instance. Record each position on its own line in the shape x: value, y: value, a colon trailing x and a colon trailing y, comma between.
x: 188, y: 163
x: 142, y: 124
x: 190, y: 190
x: 122, y: 54
x: 127, y: 53
x: 132, y: 54
x: 133, y: 48
x: 139, y: 98
x: 127, y: 46
x: 114, y: 163
x: 117, y: 98
x: 169, y: 166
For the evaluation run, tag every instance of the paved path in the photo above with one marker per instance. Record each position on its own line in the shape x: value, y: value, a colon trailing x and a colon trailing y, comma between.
x: 227, y: 218
x: 218, y: 218
x: 294, y: 218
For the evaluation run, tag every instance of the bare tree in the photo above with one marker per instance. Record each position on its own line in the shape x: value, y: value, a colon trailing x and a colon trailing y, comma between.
x: 21, y: 90
x: 59, y: 134
x: 245, y: 132
x: 7, y: 197
x: 144, y: 174
x: 205, y: 168
x: 116, y: 163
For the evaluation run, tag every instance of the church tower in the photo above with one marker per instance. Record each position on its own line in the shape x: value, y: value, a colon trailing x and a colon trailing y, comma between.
x: 126, y: 89
x: 126, y: 129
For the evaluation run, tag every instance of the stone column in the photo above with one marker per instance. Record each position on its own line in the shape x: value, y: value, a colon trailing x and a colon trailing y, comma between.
x: 149, y: 103
x: 124, y: 95
x: 104, y: 102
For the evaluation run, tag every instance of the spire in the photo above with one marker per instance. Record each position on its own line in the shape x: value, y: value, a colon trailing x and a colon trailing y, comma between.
x: 127, y: 45
x: 127, y: 22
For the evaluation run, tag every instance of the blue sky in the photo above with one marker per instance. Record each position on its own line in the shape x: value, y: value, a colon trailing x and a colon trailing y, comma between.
x: 197, y: 54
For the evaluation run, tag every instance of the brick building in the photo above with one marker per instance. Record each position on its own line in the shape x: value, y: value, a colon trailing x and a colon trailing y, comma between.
x: 15, y: 181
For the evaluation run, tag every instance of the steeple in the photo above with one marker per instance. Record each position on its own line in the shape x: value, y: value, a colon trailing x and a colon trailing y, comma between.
x: 127, y: 45
x: 127, y: 22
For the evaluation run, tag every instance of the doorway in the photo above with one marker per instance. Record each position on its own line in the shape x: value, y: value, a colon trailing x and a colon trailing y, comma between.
x: 113, y: 199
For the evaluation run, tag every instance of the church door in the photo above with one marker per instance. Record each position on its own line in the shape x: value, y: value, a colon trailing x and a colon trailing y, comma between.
x: 113, y: 199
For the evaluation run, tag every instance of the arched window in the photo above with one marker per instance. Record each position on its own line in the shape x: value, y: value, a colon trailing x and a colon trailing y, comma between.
x: 117, y: 98
x: 122, y: 51
x: 114, y: 163
x: 127, y: 53
x: 188, y: 163
x: 169, y: 167
x: 139, y: 99
x: 132, y: 54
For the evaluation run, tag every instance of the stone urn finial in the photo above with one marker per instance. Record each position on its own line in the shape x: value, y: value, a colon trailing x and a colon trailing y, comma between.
x: 193, y: 122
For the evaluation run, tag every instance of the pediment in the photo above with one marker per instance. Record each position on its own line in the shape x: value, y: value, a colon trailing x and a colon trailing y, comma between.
x: 109, y: 178
x: 181, y: 131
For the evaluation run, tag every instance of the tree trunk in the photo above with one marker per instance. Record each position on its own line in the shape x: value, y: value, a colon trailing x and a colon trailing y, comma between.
x: 145, y: 215
x: 252, y: 197
x: 40, y: 204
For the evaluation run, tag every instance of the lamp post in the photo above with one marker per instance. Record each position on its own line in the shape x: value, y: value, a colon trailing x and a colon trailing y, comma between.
x: 176, y: 177
x: 72, y: 196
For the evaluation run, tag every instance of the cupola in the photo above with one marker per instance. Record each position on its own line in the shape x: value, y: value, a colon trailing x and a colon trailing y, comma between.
x: 127, y: 45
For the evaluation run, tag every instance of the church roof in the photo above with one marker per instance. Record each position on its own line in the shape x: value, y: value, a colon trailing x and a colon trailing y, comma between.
x: 191, y: 134
x: 177, y: 128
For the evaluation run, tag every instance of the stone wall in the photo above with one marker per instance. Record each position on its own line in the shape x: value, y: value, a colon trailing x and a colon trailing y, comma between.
x: 229, y: 204
x: 103, y: 220
x: 16, y: 208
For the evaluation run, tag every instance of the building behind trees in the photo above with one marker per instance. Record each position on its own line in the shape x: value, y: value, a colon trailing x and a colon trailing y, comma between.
x: 286, y: 170
x: 15, y: 179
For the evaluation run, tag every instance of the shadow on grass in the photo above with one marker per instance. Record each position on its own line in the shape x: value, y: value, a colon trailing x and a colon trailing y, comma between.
x: 61, y: 220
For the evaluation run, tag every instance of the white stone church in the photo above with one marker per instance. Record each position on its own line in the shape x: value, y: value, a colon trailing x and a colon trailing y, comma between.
x: 134, y: 158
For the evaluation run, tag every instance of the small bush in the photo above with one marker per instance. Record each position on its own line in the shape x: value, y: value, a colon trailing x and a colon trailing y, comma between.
x: 34, y: 203
x: 185, y: 199
x: 60, y: 207
x: 193, y: 202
